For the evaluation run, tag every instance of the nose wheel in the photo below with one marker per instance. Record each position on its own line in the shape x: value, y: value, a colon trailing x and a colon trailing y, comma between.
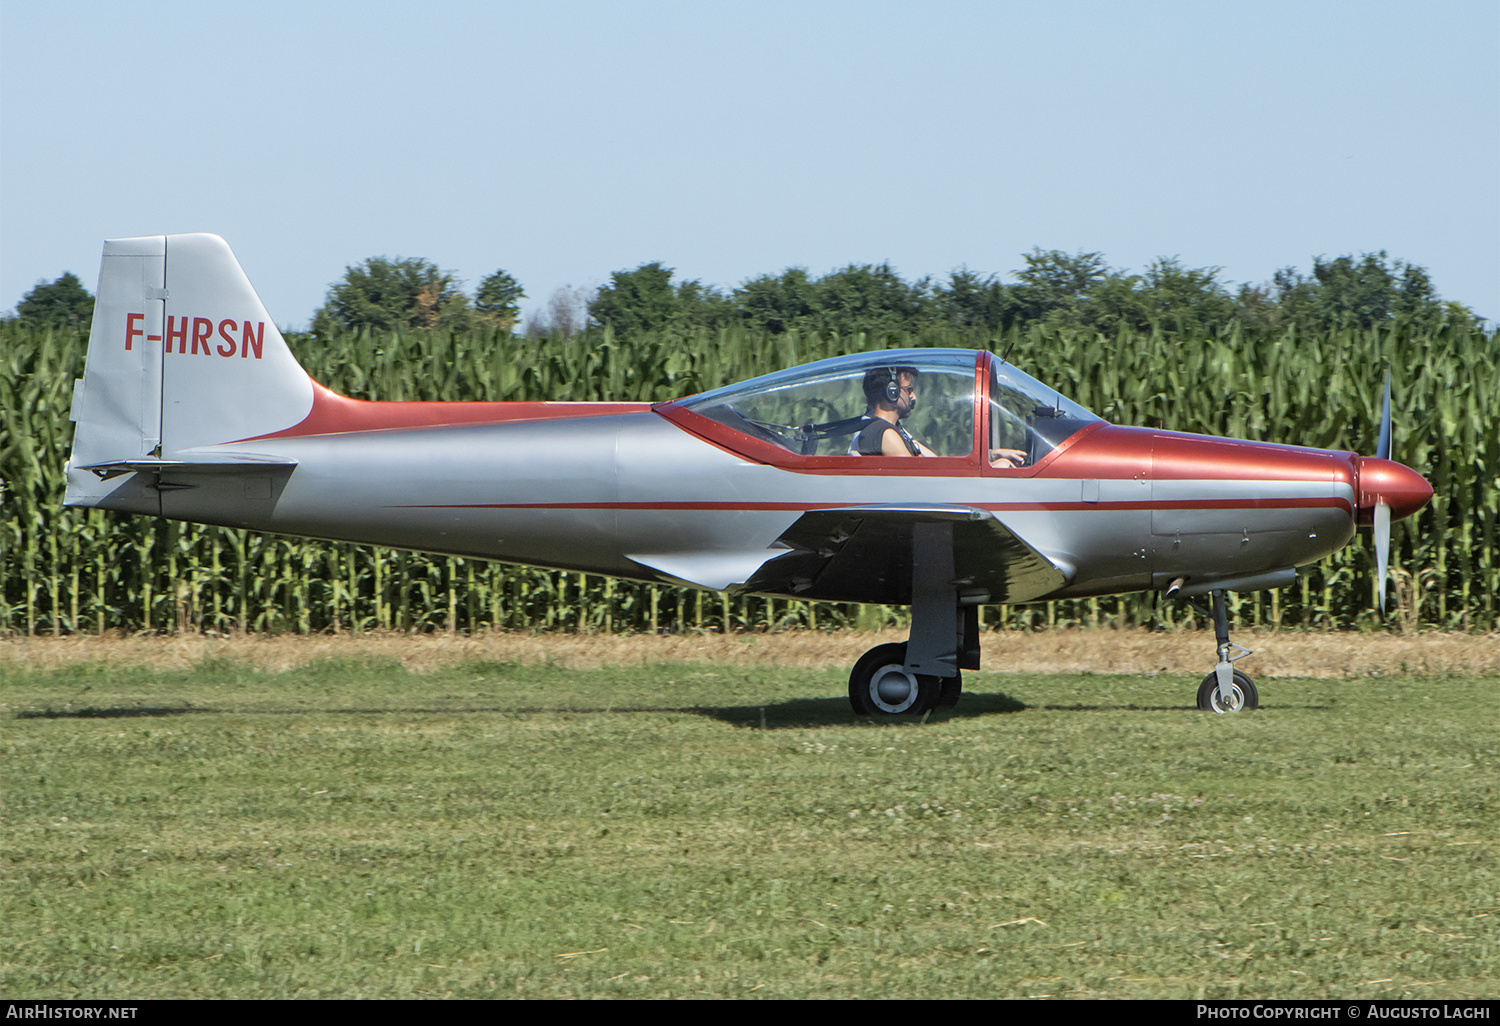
x: 1242, y: 694
x: 1226, y: 690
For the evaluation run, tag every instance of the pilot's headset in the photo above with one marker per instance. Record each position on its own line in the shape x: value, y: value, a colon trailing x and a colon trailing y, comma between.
x: 893, y: 387
x: 889, y: 390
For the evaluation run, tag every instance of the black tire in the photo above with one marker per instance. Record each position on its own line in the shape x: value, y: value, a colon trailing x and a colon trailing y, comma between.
x: 1208, y: 694
x: 879, y: 686
x: 950, y: 688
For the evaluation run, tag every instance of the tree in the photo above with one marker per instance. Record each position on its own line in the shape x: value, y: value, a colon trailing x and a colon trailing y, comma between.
x: 776, y: 303
x: 566, y: 314
x: 1186, y: 301
x: 60, y: 303
x: 1055, y: 285
x: 870, y: 298
x: 1355, y: 294
x: 974, y: 302
x: 700, y: 304
x: 1256, y: 308
x: 1345, y: 292
x: 646, y: 300
x: 382, y: 294
x: 499, y: 300
x: 636, y: 301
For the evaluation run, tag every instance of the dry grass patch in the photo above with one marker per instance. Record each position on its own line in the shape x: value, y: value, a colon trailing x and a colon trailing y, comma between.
x: 1278, y: 654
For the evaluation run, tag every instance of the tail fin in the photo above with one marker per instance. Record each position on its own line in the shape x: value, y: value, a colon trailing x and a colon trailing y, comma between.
x: 182, y: 357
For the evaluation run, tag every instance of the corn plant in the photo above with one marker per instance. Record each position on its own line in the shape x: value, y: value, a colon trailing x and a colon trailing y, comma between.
x: 69, y: 570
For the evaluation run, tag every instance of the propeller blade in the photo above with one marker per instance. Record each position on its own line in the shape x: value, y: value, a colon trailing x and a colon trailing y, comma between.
x: 1382, y: 547
x: 1383, y: 443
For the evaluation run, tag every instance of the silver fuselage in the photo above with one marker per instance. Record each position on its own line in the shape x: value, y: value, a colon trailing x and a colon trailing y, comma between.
x: 596, y: 493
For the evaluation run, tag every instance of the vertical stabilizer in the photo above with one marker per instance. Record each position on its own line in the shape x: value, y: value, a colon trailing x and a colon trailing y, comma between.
x: 182, y: 358
x: 227, y: 374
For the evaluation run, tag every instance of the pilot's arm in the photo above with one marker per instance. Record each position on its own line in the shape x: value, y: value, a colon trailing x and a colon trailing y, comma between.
x: 892, y: 445
x: 1005, y: 459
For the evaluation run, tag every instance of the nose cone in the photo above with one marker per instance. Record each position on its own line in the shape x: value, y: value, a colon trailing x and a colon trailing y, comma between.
x: 1398, y: 486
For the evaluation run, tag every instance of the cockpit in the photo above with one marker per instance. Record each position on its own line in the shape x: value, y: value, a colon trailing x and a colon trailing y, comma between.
x: 959, y: 405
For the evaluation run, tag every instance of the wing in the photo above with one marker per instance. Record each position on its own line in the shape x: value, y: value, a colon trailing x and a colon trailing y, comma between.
x: 864, y: 554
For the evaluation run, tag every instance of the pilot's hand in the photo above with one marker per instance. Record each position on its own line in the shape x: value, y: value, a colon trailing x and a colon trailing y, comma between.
x: 1007, y: 458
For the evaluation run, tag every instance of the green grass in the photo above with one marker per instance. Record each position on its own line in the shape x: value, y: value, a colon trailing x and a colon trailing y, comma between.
x: 352, y: 830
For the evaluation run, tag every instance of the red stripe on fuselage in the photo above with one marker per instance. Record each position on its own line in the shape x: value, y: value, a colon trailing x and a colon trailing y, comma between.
x: 995, y: 507
x: 334, y: 414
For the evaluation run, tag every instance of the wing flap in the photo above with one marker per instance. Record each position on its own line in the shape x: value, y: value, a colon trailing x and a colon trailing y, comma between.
x: 716, y: 571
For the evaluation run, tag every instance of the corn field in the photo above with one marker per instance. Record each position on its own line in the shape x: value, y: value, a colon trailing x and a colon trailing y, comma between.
x: 65, y: 571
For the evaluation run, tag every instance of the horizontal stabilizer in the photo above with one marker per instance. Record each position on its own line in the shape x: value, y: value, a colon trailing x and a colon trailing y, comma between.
x: 219, y: 463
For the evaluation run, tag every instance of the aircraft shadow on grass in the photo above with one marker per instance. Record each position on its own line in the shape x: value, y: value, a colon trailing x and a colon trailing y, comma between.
x: 109, y: 712
x: 834, y: 712
x: 797, y: 712
x: 794, y: 713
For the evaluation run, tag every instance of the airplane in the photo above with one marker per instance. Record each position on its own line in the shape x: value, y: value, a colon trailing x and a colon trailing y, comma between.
x: 982, y: 485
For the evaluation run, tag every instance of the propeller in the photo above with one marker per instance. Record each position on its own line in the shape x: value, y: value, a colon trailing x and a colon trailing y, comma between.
x: 1383, y: 508
x: 1387, y: 491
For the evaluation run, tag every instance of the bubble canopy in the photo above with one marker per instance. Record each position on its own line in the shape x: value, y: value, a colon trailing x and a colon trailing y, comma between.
x: 947, y: 401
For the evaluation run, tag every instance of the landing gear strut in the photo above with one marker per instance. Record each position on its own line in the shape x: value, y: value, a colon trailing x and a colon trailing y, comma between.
x: 926, y: 672
x: 1226, y: 690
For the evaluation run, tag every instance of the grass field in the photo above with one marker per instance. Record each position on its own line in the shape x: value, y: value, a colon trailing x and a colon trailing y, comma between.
x: 347, y: 827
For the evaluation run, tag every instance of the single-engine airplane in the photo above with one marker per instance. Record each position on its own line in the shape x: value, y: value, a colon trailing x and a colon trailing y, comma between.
x: 992, y: 488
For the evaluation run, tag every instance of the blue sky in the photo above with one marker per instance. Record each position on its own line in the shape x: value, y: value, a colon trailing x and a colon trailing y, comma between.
x: 566, y: 140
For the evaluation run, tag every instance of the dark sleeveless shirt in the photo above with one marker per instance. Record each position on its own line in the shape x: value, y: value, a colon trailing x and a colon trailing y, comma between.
x: 868, y: 441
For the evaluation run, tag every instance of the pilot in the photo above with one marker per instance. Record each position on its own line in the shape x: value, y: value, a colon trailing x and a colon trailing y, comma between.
x: 892, y: 395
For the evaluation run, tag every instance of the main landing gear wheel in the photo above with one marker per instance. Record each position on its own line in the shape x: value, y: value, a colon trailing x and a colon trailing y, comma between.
x: 1242, y: 694
x: 949, y: 690
x: 879, y: 685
